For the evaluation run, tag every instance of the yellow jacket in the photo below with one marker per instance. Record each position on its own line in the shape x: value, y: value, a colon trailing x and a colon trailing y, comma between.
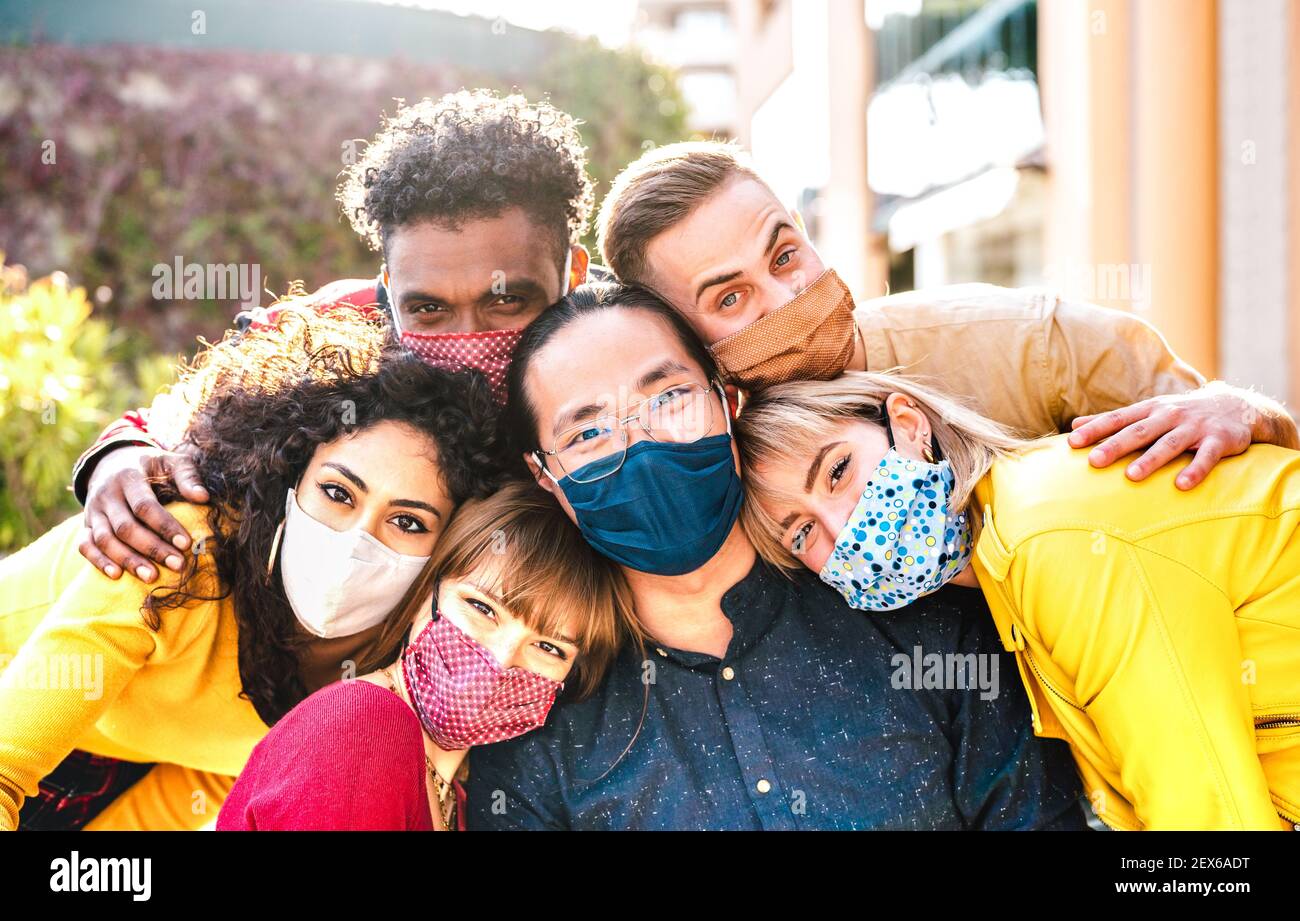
x: 79, y: 668
x: 1157, y: 631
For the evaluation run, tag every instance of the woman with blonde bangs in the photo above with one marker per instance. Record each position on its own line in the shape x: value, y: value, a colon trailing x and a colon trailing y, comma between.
x: 1156, y: 630
x: 513, y: 609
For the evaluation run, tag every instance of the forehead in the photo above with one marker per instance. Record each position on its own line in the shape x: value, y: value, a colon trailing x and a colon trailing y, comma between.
x: 725, y: 232
x: 391, y: 457
x: 490, y: 575
x: 432, y: 256
x: 782, y: 478
x: 602, y: 356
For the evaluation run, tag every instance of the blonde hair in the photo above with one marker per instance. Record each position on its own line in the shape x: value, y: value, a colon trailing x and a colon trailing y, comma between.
x: 541, y: 567
x: 790, y: 422
x: 655, y: 193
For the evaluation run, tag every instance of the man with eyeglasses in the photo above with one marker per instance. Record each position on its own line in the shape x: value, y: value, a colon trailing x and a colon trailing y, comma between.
x: 758, y: 701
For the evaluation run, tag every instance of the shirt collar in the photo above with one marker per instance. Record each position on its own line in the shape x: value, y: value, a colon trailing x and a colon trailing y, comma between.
x: 751, y: 605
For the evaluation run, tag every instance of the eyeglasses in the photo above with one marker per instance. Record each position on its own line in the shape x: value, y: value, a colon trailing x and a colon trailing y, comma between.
x: 595, y: 449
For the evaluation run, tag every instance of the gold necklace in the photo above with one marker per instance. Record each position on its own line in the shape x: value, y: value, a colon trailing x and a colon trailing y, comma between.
x: 446, y: 811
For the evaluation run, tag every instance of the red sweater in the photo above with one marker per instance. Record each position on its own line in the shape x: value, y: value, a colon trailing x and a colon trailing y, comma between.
x: 348, y: 758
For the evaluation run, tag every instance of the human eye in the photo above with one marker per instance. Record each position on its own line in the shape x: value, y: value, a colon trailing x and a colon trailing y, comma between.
x: 483, y: 608
x: 584, y: 436
x: 836, y: 472
x: 799, y: 539
x: 784, y: 258
x: 669, y: 397
x: 425, y: 309
x: 552, y: 650
x: 409, y: 524
x: 336, y: 493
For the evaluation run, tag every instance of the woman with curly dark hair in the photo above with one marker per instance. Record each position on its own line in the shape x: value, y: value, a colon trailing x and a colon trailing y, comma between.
x: 334, y: 462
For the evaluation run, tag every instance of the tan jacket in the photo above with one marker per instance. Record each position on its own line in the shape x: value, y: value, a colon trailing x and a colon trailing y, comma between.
x: 1023, y: 356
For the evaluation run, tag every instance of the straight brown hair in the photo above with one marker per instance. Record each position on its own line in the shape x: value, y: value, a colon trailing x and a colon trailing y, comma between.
x: 655, y: 193
x: 541, y: 567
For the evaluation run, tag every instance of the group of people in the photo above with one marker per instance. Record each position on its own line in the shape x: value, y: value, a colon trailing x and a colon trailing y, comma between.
x: 504, y: 539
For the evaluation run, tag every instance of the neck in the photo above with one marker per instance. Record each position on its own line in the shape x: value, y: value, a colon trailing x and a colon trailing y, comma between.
x: 446, y: 763
x: 685, y: 611
x: 966, y: 577
x: 323, y: 660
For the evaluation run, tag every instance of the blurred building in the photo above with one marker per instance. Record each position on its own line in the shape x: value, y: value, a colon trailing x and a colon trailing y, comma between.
x: 1136, y: 154
x: 696, y: 38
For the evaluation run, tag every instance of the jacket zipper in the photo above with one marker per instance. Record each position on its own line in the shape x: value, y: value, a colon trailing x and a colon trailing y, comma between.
x: 1278, y: 723
x: 1282, y: 722
x: 1047, y: 684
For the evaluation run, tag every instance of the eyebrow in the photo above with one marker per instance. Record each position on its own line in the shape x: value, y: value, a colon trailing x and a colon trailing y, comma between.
x: 781, y: 224
x: 361, y: 485
x: 516, y: 284
x: 570, y: 417
x: 495, y: 597
x: 415, y: 503
x: 817, y: 464
x: 664, y: 370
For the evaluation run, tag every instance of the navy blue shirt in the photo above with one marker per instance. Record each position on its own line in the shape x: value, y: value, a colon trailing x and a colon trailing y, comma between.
x: 817, y: 717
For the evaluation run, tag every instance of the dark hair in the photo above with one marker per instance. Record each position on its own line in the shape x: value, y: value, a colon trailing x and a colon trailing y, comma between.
x: 470, y: 154
x: 520, y: 415
x: 265, y: 401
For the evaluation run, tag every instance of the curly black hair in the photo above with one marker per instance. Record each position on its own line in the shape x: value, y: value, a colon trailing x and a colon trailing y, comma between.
x: 264, y: 402
x: 470, y: 154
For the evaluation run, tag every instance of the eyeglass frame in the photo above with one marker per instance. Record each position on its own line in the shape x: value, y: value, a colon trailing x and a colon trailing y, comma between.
x: 540, y: 454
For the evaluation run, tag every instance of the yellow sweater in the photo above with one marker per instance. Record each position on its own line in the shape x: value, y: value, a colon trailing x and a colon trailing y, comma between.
x: 79, y: 668
x: 1157, y: 631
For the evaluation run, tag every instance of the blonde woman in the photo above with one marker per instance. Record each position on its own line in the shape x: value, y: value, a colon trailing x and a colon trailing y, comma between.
x: 1157, y: 630
x: 513, y: 609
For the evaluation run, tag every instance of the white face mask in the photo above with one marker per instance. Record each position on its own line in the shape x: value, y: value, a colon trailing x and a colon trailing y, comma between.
x: 339, y: 582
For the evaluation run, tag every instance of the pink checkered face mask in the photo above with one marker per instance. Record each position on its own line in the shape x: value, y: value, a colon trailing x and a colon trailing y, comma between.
x: 488, y: 352
x: 463, y: 696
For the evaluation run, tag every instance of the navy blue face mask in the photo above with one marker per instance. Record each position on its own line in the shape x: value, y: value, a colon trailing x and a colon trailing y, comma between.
x: 669, y: 508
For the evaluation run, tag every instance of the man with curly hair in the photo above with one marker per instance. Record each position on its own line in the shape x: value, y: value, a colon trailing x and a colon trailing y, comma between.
x: 476, y: 201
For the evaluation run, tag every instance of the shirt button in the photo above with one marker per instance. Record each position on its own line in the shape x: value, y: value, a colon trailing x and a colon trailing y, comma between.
x: 728, y: 673
x: 763, y: 786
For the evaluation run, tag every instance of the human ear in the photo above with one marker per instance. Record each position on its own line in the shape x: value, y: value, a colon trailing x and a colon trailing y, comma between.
x: 910, y: 425
x: 578, y: 270
x: 539, y: 473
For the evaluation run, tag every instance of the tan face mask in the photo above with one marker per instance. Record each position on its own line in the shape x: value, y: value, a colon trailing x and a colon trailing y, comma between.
x: 810, y: 338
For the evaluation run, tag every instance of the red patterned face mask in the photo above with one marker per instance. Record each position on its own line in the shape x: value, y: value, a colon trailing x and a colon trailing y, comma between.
x: 488, y: 352
x: 463, y: 696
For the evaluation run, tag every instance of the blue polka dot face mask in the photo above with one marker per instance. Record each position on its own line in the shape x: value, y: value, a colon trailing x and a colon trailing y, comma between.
x: 902, y: 540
